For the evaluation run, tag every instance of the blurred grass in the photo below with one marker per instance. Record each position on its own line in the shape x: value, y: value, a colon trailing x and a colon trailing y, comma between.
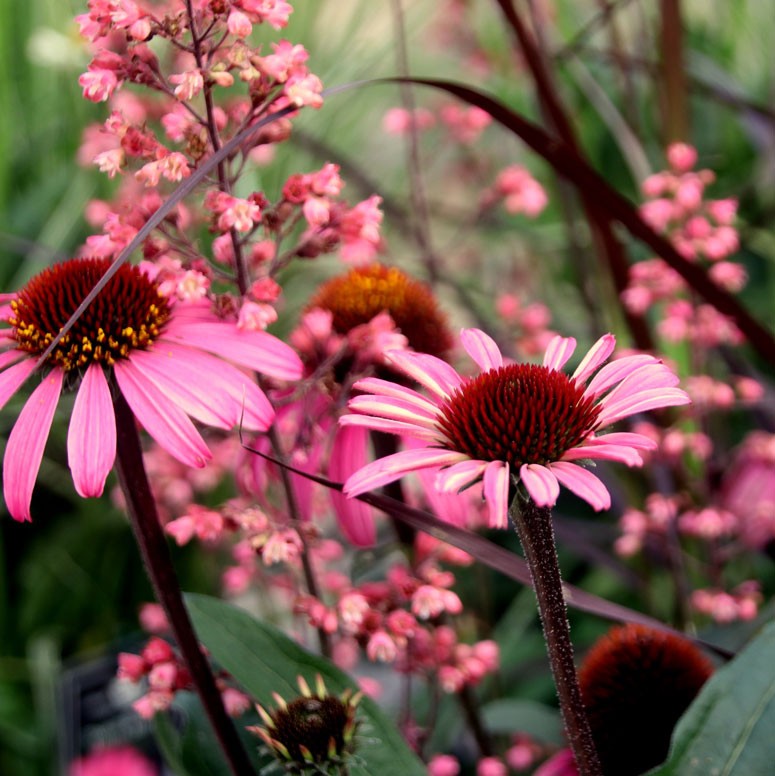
x: 72, y: 581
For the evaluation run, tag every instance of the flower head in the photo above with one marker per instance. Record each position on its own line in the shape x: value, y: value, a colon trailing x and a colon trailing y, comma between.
x: 636, y: 682
x: 310, y: 732
x: 156, y: 351
x: 358, y: 297
x: 513, y: 423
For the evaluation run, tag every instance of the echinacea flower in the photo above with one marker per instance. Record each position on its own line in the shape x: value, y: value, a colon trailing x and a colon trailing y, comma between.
x: 169, y: 360
x: 513, y: 423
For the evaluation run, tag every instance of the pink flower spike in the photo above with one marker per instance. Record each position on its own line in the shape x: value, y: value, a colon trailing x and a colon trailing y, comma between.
x: 26, y: 443
x: 496, y: 493
x: 482, y: 349
x: 91, y: 438
x: 540, y: 483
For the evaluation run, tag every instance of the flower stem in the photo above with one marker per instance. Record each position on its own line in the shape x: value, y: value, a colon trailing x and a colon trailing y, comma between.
x: 158, y: 563
x: 534, y: 527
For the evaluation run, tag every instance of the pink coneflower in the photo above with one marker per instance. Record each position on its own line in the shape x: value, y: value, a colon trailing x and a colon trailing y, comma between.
x: 513, y: 423
x: 155, y: 351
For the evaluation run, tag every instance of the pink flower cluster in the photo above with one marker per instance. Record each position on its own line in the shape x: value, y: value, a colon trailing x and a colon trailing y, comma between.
x: 519, y: 192
x: 702, y: 230
x: 166, y: 675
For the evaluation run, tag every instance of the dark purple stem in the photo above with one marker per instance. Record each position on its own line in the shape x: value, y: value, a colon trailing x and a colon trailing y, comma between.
x: 534, y: 527
x: 158, y: 564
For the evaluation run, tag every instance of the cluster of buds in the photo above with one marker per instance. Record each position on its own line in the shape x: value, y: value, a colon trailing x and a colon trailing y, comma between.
x: 702, y: 230
x: 519, y: 192
x: 166, y: 675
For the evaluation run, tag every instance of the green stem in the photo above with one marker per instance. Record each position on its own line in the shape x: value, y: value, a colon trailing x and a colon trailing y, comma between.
x: 155, y: 552
x: 534, y: 527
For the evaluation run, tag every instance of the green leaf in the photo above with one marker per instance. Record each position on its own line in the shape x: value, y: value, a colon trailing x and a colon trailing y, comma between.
x: 512, y: 715
x: 728, y: 730
x: 264, y: 660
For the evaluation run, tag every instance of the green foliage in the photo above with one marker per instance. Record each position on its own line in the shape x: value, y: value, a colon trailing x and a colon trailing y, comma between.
x: 728, y: 729
x: 263, y: 660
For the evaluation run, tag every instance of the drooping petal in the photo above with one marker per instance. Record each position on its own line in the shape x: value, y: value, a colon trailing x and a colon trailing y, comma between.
x: 482, y: 348
x: 165, y: 422
x: 13, y: 378
x: 26, y: 444
x: 641, y: 402
x: 235, y: 393
x: 391, y: 467
x: 433, y: 373
x: 348, y: 454
x: 540, y: 483
x: 394, y: 409
x: 457, y: 477
x: 254, y: 349
x: 496, y: 493
x: 597, y: 354
x: 583, y: 483
x: 91, y: 437
x: 559, y: 350
x: 391, y: 427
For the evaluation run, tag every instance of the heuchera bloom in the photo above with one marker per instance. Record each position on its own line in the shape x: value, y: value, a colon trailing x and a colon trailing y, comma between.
x: 513, y: 423
x: 161, y: 354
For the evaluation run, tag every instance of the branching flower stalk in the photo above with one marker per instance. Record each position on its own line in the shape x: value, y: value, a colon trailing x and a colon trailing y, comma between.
x: 534, y: 528
x: 144, y: 518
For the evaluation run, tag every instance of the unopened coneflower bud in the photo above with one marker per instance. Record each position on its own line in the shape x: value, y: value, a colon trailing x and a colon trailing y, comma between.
x: 314, y: 733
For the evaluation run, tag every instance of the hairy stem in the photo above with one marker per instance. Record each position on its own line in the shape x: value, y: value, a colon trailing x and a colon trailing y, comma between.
x: 158, y: 564
x: 534, y: 527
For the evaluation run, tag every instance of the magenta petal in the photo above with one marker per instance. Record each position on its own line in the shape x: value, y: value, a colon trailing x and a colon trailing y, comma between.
x: 217, y: 383
x: 11, y: 356
x: 597, y: 354
x: 641, y: 402
x: 91, y: 438
x: 26, y: 444
x: 394, y: 409
x: 167, y: 424
x: 390, y: 468
x: 540, y: 483
x: 348, y: 454
x: 436, y: 375
x: 496, y: 493
x: 600, y: 452
x: 254, y: 349
x: 482, y: 349
x: 559, y: 350
x: 12, y: 378
x: 583, y: 483
x: 457, y: 477
x: 616, y: 371
x: 628, y: 438
x: 378, y: 387
x: 391, y: 427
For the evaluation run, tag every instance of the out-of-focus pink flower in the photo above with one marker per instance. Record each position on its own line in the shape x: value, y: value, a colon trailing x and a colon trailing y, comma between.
x: 443, y: 765
x: 113, y: 761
